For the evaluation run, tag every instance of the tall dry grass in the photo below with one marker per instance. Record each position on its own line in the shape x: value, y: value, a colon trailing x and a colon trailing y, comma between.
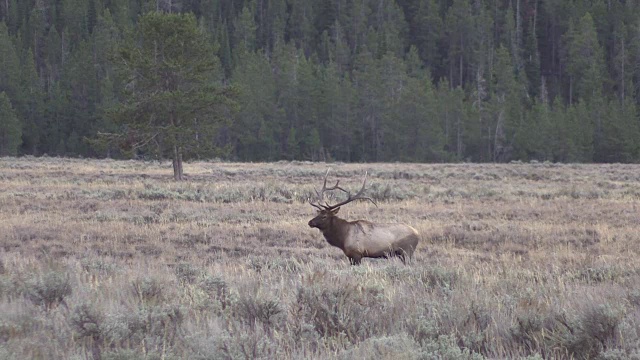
x: 114, y: 260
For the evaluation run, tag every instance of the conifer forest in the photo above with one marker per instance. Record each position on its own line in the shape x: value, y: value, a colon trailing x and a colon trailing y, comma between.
x: 341, y: 80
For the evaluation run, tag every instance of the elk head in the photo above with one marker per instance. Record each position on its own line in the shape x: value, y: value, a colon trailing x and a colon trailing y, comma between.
x: 326, y: 212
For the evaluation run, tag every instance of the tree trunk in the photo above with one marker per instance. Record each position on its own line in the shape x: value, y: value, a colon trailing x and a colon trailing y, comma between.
x: 177, y: 163
x: 623, y: 76
x: 498, y: 138
x: 461, y: 67
x: 535, y: 16
x: 451, y: 67
x: 459, y: 145
x: 570, y: 90
x: 62, y: 47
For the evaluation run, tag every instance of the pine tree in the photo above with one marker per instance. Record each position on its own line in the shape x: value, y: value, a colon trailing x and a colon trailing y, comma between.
x: 75, y: 20
x: 300, y: 28
x: 368, y: 83
x: 52, y: 58
x: 12, y: 19
x: 245, y: 29
x: 506, y: 106
x: 9, y: 65
x: 10, y: 128
x: 32, y: 112
x: 454, y: 115
x: 336, y: 114
x: 253, y: 126
x: 457, y: 28
x: 224, y: 50
x: 531, y: 58
x: 92, y: 16
x: 584, y: 60
x: 620, y: 134
x: 174, y: 102
x: 427, y: 32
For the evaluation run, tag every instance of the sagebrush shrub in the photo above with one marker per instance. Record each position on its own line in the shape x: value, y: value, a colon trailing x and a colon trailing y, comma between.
x: 49, y: 289
x: 186, y: 273
x: 148, y: 290
x: 86, y: 322
x: 253, y: 310
x: 341, y: 310
x: 217, y: 290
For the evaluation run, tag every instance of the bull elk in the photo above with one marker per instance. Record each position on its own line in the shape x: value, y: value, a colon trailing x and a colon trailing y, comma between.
x: 361, y: 238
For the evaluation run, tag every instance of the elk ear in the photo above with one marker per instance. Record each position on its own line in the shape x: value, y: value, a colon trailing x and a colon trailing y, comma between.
x: 335, y: 211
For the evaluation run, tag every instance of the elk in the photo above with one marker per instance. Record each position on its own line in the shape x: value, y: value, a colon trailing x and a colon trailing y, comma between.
x: 359, y: 239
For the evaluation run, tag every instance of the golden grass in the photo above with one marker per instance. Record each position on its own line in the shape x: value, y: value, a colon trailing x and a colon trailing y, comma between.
x: 112, y: 259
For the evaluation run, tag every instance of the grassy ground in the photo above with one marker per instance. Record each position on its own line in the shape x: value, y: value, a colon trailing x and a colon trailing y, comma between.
x: 114, y: 260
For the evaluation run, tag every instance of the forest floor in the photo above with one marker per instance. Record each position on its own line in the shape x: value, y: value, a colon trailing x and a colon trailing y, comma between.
x: 103, y: 259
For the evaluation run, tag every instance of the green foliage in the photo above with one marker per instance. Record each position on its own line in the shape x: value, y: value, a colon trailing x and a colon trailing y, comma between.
x: 174, y: 105
x: 10, y: 127
x: 585, y: 63
x: 48, y: 289
x: 399, y: 80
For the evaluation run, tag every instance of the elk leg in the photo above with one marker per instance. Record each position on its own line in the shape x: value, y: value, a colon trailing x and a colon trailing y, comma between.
x: 402, y: 255
x: 355, y: 260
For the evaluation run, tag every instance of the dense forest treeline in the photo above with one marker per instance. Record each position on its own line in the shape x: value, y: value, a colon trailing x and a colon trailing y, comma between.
x: 349, y: 80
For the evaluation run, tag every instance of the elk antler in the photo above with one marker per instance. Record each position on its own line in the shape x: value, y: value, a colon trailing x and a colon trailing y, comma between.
x: 320, y: 194
x: 350, y: 198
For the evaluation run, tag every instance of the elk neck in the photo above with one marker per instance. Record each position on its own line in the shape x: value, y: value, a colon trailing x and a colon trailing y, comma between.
x: 337, y: 231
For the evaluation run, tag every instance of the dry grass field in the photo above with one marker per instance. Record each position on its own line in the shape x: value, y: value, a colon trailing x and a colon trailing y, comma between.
x: 114, y: 260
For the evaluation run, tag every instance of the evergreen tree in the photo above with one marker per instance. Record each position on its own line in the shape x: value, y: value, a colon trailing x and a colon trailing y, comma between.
x: 300, y: 28
x: 348, y: 80
x: 620, y: 134
x: 336, y: 114
x: 426, y: 31
x: 506, y: 106
x: 57, y: 120
x: 174, y: 105
x: 368, y: 83
x: 531, y: 60
x: 80, y: 83
x: 52, y: 58
x: 457, y: 28
x: 9, y: 65
x: 584, y: 60
x: 32, y: 111
x: 224, y: 50
x: 75, y: 20
x: 253, y: 126
x: 245, y: 29
x: 11, y: 18
x: 10, y: 128
x: 454, y: 115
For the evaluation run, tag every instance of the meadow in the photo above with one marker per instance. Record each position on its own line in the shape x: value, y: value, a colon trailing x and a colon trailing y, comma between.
x: 104, y: 259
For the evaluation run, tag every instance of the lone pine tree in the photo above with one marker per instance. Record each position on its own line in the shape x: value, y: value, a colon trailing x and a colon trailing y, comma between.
x: 175, y: 102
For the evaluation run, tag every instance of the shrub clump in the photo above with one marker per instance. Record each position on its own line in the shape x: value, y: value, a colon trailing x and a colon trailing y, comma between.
x: 86, y: 323
x: 586, y: 336
x: 385, y: 347
x: 217, y: 291
x: 148, y: 290
x: 340, y: 311
x: 255, y: 310
x: 186, y: 273
x: 49, y: 289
